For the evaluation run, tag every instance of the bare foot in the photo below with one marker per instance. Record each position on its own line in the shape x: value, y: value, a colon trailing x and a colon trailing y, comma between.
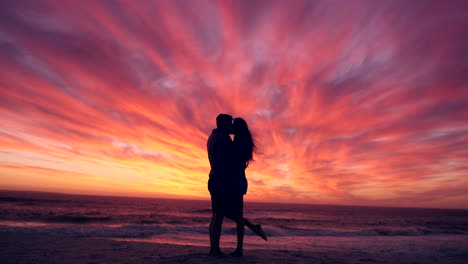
x: 216, y: 253
x: 258, y: 229
x: 237, y: 253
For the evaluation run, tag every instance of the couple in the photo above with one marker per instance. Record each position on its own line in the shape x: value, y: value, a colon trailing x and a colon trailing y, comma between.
x: 227, y: 183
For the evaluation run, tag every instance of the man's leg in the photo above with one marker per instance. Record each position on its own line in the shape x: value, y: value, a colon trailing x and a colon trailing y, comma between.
x: 215, y: 234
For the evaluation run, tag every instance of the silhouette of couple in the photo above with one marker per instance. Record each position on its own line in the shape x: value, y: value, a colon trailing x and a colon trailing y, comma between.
x: 227, y: 183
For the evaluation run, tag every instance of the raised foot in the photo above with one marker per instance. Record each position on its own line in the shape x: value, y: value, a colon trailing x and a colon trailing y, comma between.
x: 259, y: 231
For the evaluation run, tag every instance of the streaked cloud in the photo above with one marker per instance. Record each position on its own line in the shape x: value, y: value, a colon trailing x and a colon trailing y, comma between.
x: 352, y: 102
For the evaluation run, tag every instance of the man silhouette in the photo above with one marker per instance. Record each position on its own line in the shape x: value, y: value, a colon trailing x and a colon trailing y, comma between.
x: 220, y: 149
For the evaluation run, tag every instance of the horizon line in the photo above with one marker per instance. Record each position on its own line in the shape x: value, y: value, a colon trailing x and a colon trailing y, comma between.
x: 208, y: 199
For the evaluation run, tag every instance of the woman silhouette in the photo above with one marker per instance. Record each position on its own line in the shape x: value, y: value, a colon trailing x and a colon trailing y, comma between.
x: 244, y: 147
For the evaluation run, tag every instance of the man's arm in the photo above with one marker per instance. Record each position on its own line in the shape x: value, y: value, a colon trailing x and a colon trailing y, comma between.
x: 226, y: 155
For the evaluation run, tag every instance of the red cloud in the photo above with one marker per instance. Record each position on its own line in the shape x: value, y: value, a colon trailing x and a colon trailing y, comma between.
x: 362, y: 103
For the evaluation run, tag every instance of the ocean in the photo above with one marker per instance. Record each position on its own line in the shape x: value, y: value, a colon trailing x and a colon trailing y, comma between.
x: 377, y: 230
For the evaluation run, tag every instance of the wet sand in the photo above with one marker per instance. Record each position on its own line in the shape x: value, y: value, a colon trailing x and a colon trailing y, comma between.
x: 64, y: 250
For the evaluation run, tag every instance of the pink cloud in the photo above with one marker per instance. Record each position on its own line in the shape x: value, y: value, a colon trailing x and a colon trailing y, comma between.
x: 350, y: 103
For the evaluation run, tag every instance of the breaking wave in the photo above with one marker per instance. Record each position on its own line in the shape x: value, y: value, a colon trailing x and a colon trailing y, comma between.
x: 143, y: 231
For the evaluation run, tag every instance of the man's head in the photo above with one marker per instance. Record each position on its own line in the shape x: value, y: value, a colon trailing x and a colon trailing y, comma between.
x: 224, y: 121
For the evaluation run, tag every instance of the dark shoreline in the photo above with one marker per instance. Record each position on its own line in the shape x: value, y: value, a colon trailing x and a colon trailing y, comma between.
x: 20, y: 249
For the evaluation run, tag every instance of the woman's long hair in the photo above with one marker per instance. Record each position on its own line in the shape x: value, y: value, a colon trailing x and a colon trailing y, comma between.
x: 243, y: 140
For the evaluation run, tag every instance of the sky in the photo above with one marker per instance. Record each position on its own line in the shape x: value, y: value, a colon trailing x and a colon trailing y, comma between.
x: 350, y: 102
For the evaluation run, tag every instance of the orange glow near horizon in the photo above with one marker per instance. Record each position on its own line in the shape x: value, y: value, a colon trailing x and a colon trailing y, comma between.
x: 362, y: 103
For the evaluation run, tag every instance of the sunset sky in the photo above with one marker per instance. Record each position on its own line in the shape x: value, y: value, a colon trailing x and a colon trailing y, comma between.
x: 351, y: 102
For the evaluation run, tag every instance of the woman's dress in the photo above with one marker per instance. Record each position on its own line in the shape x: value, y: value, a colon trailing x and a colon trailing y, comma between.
x: 233, y: 200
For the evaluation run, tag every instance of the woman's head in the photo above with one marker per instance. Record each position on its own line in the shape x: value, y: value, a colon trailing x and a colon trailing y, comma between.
x: 239, y: 126
x: 243, y: 139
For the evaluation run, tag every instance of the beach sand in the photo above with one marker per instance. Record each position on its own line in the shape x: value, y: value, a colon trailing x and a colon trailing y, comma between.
x: 64, y: 250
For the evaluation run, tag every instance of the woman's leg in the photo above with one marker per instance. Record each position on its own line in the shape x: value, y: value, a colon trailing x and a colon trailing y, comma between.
x: 215, y: 234
x: 248, y: 224
x: 240, y: 237
x: 256, y: 228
